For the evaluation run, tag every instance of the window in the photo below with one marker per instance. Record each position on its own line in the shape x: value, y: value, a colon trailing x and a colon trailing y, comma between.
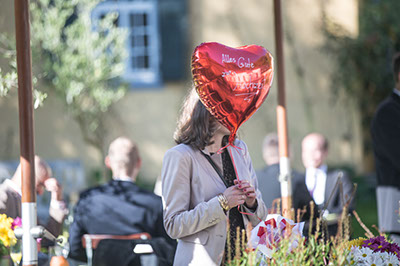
x: 142, y: 44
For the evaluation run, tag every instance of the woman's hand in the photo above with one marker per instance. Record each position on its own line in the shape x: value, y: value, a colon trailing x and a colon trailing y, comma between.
x: 234, y: 196
x: 248, y: 190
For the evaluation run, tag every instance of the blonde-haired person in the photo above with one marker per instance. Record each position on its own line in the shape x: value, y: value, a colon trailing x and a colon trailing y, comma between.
x: 200, y: 190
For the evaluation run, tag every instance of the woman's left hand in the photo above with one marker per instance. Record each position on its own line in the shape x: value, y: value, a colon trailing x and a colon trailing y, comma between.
x: 249, y: 190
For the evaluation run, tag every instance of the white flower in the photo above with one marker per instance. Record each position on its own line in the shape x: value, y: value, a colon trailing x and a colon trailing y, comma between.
x: 392, y: 260
x: 364, y: 254
x: 375, y: 260
x: 383, y: 255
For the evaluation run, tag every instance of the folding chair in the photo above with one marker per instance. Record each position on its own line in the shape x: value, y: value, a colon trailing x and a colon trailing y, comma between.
x: 91, y: 241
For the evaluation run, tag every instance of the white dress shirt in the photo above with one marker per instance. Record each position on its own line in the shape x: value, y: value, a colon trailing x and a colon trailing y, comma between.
x: 396, y: 91
x: 315, y: 181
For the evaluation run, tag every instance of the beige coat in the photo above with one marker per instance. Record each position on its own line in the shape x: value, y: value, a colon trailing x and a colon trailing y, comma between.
x: 192, y: 213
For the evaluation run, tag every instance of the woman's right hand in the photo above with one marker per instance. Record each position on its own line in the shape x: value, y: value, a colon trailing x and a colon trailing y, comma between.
x: 234, y: 196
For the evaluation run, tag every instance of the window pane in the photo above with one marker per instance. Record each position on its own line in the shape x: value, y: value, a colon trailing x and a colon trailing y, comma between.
x: 140, y: 60
x: 138, y: 41
x: 137, y: 20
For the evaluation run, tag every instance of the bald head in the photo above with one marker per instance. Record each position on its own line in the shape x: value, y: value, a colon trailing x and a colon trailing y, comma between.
x: 314, y: 150
x: 123, y: 158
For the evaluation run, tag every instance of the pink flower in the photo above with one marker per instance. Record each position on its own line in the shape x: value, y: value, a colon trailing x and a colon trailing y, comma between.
x: 16, y: 223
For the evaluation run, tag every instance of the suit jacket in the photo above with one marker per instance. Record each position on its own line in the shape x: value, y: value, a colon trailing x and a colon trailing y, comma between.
x: 116, y: 208
x: 336, y: 203
x: 10, y: 204
x: 192, y: 213
x: 270, y: 188
x: 385, y: 131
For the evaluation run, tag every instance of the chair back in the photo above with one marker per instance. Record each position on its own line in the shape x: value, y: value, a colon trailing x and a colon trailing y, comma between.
x: 91, y: 241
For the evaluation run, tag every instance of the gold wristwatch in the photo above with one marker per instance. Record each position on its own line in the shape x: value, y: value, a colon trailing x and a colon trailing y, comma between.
x: 223, y: 202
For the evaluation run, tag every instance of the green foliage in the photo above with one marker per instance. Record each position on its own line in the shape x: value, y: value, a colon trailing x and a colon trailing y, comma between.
x: 363, y: 69
x: 9, y: 79
x: 81, y: 62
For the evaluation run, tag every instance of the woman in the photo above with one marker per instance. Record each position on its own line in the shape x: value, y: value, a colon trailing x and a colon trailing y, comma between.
x: 200, y: 189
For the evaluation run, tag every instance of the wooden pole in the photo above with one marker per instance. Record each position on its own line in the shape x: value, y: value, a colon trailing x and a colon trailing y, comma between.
x: 284, y: 164
x: 25, y: 106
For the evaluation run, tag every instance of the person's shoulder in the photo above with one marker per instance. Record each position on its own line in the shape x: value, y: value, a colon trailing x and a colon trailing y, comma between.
x: 241, y: 145
x: 4, y: 192
x: 268, y: 173
x: 180, y: 149
x: 387, y: 108
x: 261, y: 171
x: 4, y: 187
x: 93, y: 191
x: 153, y: 198
x: 180, y: 152
x: 297, y: 176
x: 337, y: 172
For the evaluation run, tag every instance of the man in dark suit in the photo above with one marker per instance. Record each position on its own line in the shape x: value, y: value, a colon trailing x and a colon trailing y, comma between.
x: 322, y: 182
x: 385, y: 131
x: 268, y: 180
x: 119, y: 207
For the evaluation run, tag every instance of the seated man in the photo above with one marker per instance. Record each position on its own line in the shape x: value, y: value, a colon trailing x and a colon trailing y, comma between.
x: 119, y: 207
x: 321, y: 180
x: 10, y: 196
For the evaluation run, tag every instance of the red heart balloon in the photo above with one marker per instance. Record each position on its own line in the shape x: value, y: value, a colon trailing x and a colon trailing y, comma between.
x: 232, y: 83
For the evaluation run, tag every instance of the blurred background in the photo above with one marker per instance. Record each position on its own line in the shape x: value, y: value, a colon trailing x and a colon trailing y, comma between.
x: 123, y: 68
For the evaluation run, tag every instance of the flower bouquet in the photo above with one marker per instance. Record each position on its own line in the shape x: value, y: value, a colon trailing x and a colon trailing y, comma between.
x: 7, y: 237
x: 266, y: 236
x: 373, y: 251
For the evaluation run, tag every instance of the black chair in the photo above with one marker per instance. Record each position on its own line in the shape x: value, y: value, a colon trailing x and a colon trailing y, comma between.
x: 113, y: 250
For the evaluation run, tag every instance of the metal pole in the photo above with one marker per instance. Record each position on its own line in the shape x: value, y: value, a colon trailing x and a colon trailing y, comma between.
x: 284, y: 163
x: 25, y: 106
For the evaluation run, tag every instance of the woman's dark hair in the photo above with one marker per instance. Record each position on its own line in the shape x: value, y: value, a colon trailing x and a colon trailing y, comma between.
x: 196, y: 125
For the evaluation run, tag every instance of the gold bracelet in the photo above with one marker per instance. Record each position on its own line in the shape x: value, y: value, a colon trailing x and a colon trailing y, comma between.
x: 223, y: 202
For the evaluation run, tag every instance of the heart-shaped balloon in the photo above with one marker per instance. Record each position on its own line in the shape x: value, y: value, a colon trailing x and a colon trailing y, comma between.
x: 232, y: 83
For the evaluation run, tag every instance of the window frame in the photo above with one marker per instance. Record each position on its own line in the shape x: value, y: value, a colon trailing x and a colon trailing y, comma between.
x: 137, y: 77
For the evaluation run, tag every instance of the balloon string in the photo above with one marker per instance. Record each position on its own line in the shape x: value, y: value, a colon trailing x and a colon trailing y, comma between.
x: 247, y: 213
x: 226, y: 146
x: 237, y: 177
